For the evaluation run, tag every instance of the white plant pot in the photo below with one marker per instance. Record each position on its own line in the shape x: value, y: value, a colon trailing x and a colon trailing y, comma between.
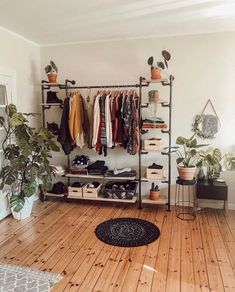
x: 4, y: 206
x: 25, y: 211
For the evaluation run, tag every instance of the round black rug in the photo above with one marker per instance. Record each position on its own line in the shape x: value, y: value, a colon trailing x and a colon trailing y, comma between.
x: 127, y: 232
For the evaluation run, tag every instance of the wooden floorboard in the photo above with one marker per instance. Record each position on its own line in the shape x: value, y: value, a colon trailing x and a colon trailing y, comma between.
x: 59, y: 237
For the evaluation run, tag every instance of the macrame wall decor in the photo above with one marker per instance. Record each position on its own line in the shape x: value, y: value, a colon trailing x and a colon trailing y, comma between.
x: 207, y: 125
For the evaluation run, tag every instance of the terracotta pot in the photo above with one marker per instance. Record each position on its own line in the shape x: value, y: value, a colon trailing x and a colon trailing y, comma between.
x: 155, y: 73
x: 154, y: 195
x: 187, y: 173
x: 52, y: 77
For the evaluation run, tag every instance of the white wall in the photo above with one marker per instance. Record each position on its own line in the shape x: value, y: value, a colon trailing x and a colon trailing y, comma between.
x: 203, y: 66
x: 23, y: 58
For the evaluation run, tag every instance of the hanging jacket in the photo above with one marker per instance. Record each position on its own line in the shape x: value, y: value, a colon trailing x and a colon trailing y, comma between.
x: 64, y: 135
x: 78, y: 121
x: 96, y: 120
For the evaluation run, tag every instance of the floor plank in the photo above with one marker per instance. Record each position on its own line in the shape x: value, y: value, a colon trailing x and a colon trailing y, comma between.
x: 59, y: 237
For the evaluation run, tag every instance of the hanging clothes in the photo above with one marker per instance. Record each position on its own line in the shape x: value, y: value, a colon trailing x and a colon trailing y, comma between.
x: 78, y: 121
x: 64, y: 137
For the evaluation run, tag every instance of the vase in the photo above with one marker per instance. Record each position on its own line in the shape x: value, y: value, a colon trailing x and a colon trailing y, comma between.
x: 26, y: 211
x: 186, y: 173
x: 52, y: 77
x: 4, y: 206
x: 155, y: 73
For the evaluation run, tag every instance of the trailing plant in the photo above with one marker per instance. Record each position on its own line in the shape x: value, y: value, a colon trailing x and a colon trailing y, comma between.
x: 26, y: 153
x: 189, y: 157
x: 51, y: 68
x: 160, y: 64
x: 215, y: 161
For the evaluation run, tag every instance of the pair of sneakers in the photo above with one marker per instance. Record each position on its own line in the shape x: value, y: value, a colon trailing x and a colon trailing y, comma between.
x: 53, y: 127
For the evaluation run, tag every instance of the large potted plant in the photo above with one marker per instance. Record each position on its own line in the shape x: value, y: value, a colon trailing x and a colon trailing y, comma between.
x: 188, y: 157
x: 157, y: 66
x: 51, y: 71
x: 215, y: 161
x: 26, y: 166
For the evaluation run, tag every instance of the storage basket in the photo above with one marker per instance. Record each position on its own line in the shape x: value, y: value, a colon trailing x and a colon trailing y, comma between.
x: 91, y: 192
x: 120, y: 190
x: 153, y: 144
x: 153, y: 173
x: 75, y: 191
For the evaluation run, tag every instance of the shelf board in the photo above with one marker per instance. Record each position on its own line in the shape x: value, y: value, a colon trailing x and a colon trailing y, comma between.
x: 132, y: 201
x: 99, y: 176
x: 3, y: 106
x: 55, y: 84
x: 51, y: 104
x: 155, y: 80
x: 150, y: 151
x: 162, y: 200
x: 155, y: 127
x: 144, y: 179
x: 54, y: 195
x: 146, y: 104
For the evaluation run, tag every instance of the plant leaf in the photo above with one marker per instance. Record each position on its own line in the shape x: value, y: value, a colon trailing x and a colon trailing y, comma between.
x: 166, y: 55
x: 161, y: 65
x: 17, y: 203
x: 181, y: 140
x: 150, y: 61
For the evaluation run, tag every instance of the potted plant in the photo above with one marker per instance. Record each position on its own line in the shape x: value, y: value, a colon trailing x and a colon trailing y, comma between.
x: 188, y: 158
x: 215, y: 162
x: 26, y: 166
x: 51, y: 71
x: 156, y: 66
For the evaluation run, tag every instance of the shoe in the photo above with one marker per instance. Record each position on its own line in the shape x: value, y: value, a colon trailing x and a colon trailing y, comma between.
x: 58, y: 188
x: 54, y: 128
x: 52, y: 97
x: 155, y: 166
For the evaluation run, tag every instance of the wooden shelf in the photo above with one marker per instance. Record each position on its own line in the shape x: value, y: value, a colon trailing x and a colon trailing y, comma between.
x: 132, y: 201
x: 99, y: 177
x: 144, y: 179
x: 54, y: 195
x: 150, y: 151
x: 2, y: 106
x: 162, y: 200
x: 155, y: 80
x: 51, y: 104
x: 52, y: 84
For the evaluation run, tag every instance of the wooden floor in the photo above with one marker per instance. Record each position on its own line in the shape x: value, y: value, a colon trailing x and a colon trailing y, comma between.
x: 188, y: 256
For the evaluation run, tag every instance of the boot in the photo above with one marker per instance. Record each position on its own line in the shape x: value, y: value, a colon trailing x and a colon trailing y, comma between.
x: 53, y: 127
x: 52, y: 97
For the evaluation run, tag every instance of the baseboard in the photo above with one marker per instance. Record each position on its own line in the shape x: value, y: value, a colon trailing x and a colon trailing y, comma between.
x: 231, y: 206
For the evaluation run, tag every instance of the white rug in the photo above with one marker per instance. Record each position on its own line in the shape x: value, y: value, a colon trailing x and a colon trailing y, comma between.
x: 19, y: 279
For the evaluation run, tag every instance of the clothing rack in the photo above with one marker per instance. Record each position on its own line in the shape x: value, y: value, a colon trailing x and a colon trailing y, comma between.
x: 70, y: 85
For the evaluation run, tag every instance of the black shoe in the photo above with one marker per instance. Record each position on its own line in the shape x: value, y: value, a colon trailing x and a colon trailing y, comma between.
x: 52, y: 97
x: 58, y: 188
x: 54, y: 128
x: 155, y: 166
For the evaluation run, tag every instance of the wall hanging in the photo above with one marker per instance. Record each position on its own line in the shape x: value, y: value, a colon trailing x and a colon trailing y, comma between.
x: 206, y: 125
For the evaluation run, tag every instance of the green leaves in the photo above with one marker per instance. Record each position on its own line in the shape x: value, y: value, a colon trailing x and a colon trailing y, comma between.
x: 190, y: 156
x: 11, y: 109
x: 17, y: 203
x: 2, y: 121
x: 27, y: 160
x: 17, y: 119
x: 161, y: 65
x: 166, y: 55
x: 150, y: 61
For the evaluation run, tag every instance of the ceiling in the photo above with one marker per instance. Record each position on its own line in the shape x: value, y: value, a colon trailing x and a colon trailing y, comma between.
x: 69, y: 21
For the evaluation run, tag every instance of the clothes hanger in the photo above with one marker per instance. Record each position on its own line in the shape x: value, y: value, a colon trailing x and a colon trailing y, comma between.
x: 88, y: 99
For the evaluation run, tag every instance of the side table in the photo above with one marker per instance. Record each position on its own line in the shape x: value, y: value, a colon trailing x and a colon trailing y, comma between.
x: 213, y: 191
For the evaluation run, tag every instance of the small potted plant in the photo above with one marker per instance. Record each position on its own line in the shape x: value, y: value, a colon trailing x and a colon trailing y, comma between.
x: 26, y: 166
x: 215, y: 161
x: 156, y: 66
x: 154, y: 193
x: 51, y: 71
x: 188, y: 158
